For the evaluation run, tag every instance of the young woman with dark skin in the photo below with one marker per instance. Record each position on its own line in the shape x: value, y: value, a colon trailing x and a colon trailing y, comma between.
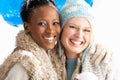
x: 30, y: 60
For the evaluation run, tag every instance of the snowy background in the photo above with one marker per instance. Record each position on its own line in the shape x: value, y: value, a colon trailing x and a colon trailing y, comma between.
x: 107, y: 29
x: 7, y: 40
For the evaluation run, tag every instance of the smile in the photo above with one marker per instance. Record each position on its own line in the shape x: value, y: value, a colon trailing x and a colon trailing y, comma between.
x: 76, y: 42
x: 50, y: 39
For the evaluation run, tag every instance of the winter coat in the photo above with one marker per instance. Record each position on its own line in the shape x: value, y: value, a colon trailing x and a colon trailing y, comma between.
x: 30, y: 61
x: 102, y: 71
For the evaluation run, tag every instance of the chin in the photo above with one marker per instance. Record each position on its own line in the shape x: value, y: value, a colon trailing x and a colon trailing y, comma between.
x: 77, y: 51
x: 49, y: 48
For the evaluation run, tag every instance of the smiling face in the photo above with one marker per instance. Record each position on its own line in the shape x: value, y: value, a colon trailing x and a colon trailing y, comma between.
x: 76, y: 36
x: 44, y: 26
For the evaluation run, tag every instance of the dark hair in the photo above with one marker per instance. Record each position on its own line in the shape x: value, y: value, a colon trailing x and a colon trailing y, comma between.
x: 29, y: 5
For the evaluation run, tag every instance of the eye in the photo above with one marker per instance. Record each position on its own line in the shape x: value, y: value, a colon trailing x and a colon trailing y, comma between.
x: 72, y: 26
x: 87, y: 30
x: 56, y: 23
x: 42, y: 24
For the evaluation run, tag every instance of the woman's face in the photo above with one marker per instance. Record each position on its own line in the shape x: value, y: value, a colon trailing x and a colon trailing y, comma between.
x: 76, y: 35
x: 44, y: 26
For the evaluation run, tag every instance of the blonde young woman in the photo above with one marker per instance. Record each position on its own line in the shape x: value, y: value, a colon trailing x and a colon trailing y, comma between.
x: 77, y: 38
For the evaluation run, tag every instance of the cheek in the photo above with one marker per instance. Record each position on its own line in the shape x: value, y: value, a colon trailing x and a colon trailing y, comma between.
x: 36, y: 29
x: 40, y: 30
x: 58, y: 30
x: 68, y: 32
x: 37, y: 32
x: 63, y: 38
x: 88, y: 38
x: 64, y: 35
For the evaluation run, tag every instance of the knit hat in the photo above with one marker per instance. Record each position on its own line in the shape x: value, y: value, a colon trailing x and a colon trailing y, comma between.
x: 75, y: 8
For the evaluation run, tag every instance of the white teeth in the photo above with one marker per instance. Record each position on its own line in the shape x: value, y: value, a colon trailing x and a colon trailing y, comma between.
x: 49, y: 38
x: 76, y: 42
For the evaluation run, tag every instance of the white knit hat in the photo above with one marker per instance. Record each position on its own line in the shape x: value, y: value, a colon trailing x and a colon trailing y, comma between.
x: 75, y: 8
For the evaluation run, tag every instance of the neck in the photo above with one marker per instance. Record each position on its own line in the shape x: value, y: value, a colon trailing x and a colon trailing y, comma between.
x: 48, y: 51
x: 72, y: 55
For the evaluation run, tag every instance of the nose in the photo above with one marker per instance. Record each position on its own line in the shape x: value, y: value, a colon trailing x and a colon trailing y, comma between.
x: 79, y: 34
x: 50, y: 29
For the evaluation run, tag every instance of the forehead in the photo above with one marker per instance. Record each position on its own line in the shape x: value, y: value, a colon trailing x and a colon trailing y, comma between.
x: 46, y: 13
x: 45, y: 9
x: 79, y: 21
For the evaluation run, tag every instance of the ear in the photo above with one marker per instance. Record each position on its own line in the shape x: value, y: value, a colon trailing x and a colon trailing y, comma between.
x: 26, y: 27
